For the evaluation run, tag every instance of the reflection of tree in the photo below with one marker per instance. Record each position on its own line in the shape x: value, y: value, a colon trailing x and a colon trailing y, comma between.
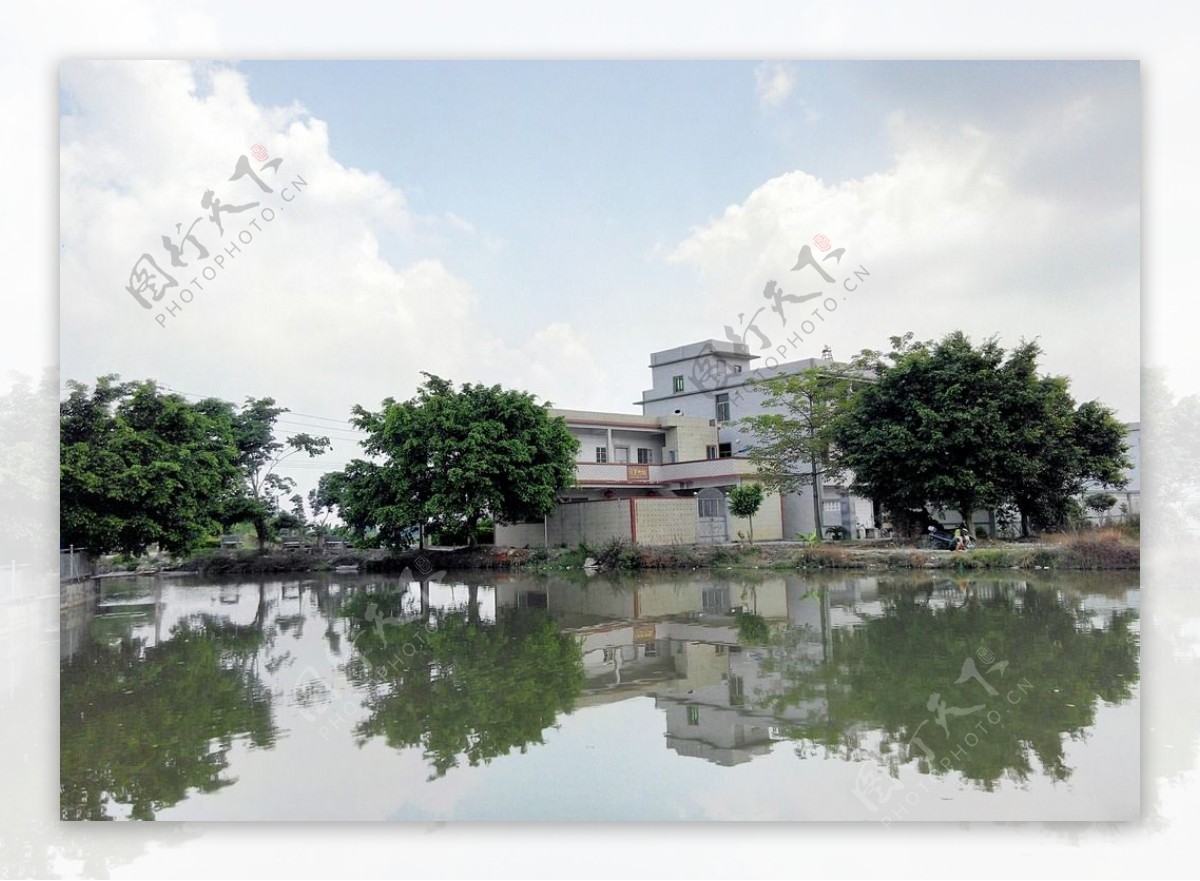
x: 467, y: 688
x: 144, y: 726
x: 883, y: 675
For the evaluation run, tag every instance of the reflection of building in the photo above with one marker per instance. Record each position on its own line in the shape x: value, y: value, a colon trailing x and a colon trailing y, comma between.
x: 676, y: 639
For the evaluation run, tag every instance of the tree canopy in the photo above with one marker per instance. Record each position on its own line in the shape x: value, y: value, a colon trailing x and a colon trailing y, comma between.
x: 259, y: 454
x: 449, y: 457
x: 961, y: 427
x: 792, y: 446
x: 139, y: 466
x: 744, y: 501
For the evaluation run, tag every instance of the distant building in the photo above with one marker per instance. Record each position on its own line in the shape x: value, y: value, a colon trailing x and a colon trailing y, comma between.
x: 662, y: 477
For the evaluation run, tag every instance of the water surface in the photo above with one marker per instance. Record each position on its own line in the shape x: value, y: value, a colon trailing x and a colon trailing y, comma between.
x: 689, y: 696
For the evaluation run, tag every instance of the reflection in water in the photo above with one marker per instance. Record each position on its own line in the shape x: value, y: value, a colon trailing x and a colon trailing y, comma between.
x: 144, y: 725
x: 466, y: 688
x: 170, y: 691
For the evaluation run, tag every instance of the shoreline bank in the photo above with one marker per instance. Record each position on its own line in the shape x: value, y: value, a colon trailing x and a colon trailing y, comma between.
x: 1077, y: 554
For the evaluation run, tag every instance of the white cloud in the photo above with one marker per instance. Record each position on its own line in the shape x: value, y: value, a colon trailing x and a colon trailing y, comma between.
x: 773, y: 82
x: 955, y: 235
x: 309, y: 311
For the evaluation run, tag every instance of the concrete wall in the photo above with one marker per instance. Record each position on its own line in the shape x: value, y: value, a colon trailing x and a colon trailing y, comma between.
x: 592, y: 522
x: 690, y: 438
x: 519, y: 535
x: 659, y: 521
x: 665, y: 521
x: 768, y: 522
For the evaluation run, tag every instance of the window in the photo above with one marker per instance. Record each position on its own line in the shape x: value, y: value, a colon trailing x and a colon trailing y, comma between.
x: 651, y: 650
x: 737, y: 691
x: 645, y: 456
x: 726, y: 451
x: 737, y: 368
x: 723, y: 407
x: 719, y: 649
x: 677, y: 383
x: 601, y: 454
x: 621, y: 454
x: 710, y: 507
x: 710, y: 452
x: 671, y: 453
x: 693, y: 715
x: 715, y: 600
x: 610, y: 656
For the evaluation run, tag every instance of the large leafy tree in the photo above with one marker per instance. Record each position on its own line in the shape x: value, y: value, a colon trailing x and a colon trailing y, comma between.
x: 450, y: 457
x: 962, y: 427
x: 1057, y: 448
x: 792, y: 440
x: 139, y: 467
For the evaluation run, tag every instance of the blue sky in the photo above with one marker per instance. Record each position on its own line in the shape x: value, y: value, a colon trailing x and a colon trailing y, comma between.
x: 547, y: 225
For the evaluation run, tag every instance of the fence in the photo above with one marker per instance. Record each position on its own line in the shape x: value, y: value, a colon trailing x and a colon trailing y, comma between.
x: 74, y: 563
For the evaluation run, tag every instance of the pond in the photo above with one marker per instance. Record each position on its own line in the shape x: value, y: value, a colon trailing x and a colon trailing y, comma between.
x: 678, y: 696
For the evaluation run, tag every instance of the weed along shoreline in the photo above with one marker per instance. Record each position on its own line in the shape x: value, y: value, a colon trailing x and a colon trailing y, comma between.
x: 1091, y: 550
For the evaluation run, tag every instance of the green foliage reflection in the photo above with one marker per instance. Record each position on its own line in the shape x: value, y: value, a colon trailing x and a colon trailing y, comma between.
x: 467, y: 689
x: 143, y: 727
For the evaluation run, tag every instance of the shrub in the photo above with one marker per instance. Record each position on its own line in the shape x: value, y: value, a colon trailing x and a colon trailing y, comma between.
x: 1101, y: 549
x: 618, y: 554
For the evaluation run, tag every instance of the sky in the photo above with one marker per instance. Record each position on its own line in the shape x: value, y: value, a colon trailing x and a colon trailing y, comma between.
x: 548, y: 225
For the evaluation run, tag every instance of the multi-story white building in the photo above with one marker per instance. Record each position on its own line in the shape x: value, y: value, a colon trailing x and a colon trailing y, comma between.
x: 712, y: 380
x: 662, y: 477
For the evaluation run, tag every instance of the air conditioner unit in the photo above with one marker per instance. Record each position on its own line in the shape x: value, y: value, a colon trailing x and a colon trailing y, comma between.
x: 712, y: 423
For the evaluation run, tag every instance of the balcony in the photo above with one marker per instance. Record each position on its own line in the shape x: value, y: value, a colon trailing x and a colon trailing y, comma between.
x: 621, y: 474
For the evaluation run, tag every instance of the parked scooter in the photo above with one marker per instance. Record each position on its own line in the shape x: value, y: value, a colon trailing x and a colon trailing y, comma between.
x: 943, y: 541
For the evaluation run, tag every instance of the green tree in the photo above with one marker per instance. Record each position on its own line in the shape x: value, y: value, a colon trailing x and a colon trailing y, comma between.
x: 1099, y: 503
x: 744, y: 501
x: 453, y: 457
x: 259, y: 454
x: 792, y: 445
x: 139, y: 467
x: 1057, y: 448
x: 322, y: 501
x: 963, y: 427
